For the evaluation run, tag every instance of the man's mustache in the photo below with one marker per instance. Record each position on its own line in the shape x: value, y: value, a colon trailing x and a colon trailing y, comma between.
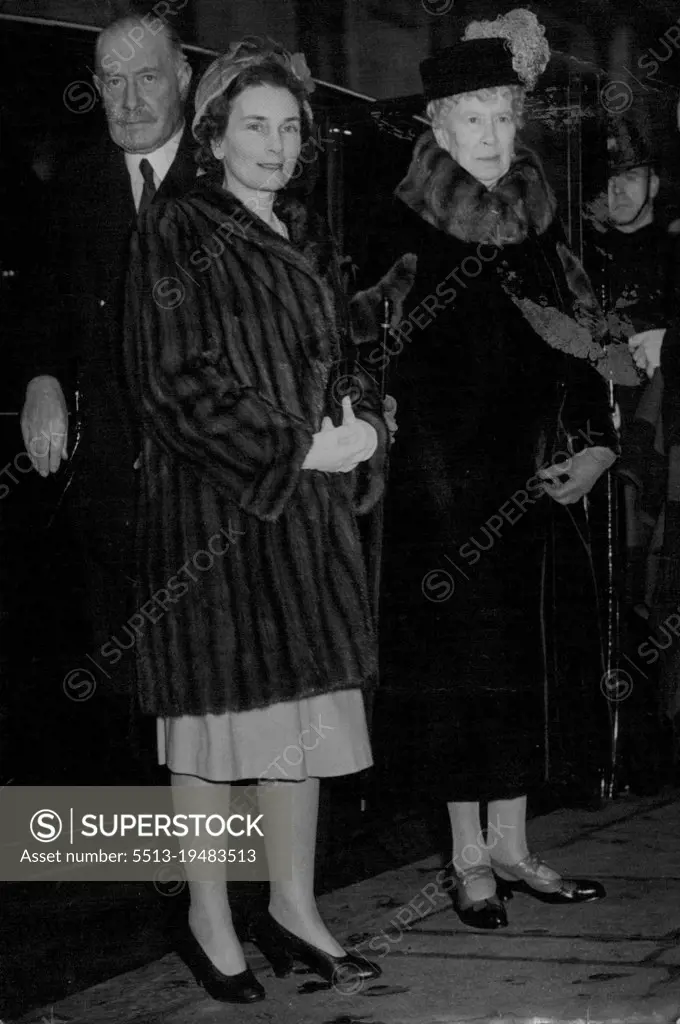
x: 135, y: 119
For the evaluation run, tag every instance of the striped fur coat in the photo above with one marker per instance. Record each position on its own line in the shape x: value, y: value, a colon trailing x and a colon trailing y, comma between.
x: 252, y: 567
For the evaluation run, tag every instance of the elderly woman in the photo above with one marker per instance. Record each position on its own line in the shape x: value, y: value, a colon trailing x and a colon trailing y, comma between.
x: 503, y: 426
x: 237, y: 327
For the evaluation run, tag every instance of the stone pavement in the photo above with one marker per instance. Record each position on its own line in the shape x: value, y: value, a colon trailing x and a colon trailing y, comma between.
x: 613, y: 961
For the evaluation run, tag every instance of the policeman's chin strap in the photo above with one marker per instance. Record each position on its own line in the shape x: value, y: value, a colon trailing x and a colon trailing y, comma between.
x: 648, y: 196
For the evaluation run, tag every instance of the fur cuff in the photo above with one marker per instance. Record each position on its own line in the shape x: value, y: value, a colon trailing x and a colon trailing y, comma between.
x: 366, y: 307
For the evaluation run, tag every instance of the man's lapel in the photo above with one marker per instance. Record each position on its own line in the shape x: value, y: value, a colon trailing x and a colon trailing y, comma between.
x: 182, y: 173
x: 109, y: 215
x: 107, y: 218
x: 115, y: 190
x: 117, y: 214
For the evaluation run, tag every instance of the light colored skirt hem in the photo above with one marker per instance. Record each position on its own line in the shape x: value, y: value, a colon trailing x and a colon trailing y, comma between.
x: 315, y: 737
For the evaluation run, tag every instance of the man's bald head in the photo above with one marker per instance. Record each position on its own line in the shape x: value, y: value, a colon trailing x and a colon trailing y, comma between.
x: 143, y: 78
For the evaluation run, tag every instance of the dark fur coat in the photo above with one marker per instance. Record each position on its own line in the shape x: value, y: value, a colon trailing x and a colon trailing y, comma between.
x: 485, y: 397
x: 235, y: 338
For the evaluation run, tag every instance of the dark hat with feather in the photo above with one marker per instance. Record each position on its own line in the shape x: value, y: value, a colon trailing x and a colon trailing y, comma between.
x: 512, y: 50
x: 468, y: 66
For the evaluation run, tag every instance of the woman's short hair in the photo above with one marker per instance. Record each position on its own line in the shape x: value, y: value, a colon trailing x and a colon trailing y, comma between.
x: 213, y: 125
x: 437, y: 109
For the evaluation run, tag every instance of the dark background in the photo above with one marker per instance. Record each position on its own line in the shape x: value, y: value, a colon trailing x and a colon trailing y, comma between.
x: 47, y: 113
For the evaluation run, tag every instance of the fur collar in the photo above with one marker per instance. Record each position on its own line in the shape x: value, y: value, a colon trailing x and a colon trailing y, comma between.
x: 308, y: 235
x: 446, y: 196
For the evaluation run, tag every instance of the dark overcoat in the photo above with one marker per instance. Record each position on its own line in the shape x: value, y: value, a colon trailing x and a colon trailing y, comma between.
x: 252, y: 566
x: 76, y: 336
x: 487, y: 393
x: 77, y: 339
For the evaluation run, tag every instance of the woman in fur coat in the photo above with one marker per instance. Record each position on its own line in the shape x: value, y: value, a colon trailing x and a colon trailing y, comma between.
x: 503, y: 422
x: 260, y: 645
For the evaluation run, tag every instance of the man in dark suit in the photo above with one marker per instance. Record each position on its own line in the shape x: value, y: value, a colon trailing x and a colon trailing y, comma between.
x: 143, y: 79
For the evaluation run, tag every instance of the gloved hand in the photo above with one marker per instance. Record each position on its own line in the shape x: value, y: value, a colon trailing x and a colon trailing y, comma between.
x: 341, y: 449
x: 646, y: 349
x: 581, y: 471
x: 390, y: 415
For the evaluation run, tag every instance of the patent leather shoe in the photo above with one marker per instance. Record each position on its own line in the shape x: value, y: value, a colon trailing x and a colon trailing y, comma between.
x: 486, y: 913
x: 533, y: 877
x: 226, y: 988
x: 282, y: 948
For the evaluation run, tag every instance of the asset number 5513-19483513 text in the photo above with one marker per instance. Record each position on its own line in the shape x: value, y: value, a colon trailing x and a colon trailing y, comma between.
x: 208, y: 856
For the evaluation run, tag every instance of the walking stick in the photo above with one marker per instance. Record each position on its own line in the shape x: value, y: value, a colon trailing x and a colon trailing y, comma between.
x: 377, y: 525
x: 608, y: 785
x: 380, y: 509
x: 612, y: 652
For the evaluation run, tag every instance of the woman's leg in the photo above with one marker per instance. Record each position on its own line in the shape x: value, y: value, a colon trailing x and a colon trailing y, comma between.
x: 291, y: 810
x: 507, y: 842
x: 469, y: 850
x: 209, y: 912
x: 507, y: 834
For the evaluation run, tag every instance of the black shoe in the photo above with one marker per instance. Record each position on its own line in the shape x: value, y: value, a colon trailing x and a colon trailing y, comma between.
x: 488, y: 913
x: 227, y: 988
x: 282, y: 948
x: 526, y: 877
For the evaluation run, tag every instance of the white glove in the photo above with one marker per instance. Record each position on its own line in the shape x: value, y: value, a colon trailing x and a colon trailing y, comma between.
x: 390, y: 415
x: 341, y: 449
x: 646, y: 349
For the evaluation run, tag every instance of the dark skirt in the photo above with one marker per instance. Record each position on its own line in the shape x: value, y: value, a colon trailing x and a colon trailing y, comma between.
x: 462, y: 662
x: 490, y: 678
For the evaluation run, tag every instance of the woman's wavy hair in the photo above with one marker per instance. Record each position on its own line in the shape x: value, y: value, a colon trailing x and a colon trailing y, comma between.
x: 436, y: 109
x: 213, y: 124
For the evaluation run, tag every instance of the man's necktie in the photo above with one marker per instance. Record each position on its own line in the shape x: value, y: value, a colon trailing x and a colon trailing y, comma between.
x: 149, y: 190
